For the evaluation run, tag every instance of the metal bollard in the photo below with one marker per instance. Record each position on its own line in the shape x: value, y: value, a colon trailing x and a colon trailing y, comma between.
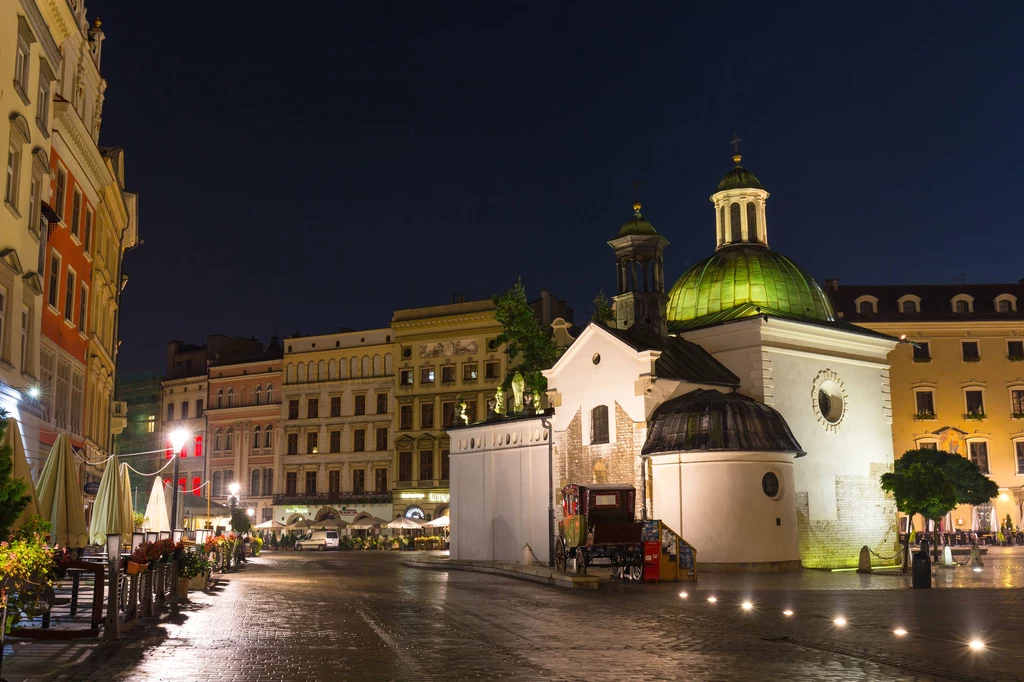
x: 921, y: 571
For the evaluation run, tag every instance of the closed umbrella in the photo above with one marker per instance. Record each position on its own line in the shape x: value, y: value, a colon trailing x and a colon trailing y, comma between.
x: 329, y: 523
x: 22, y: 471
x: 157, y: 514
x: 127, y: 511
x: 111, y: 512
x: 60, y: 495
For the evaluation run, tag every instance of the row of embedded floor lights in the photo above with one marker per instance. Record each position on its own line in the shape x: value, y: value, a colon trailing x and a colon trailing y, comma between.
x: 838, y: 621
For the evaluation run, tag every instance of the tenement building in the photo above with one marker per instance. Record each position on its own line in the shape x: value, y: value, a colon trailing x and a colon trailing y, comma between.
x: 242, y: 422
x: 446, y: 353
x: 336, y: 423
x: 958, y: 381
x: 752, y: 420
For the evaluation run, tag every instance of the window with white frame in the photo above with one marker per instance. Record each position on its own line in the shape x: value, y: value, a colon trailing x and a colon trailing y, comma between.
x: 77, y: 386
x: 258, y: 396
x: 909, y: 304
x: 87, y: 234
x: 978, y: 450
x: 76, y: 213
x: 1017, y: 403
x: 599, y: 424
x: 81, y: 308
x: 69, y: 297
x: 962, y: 303
x: 927, y: 444
x: 43, y: 103
x: 217, y: 440
x: 256, y: 437
x: 22, y: 54
x: 866, y: 305
x: 35, y: 187
x: 47, y: 371
x: 54, y: 279
x: 60, y: 191
x: 268, y: 436
x: 3, y: 321
x: 229, y: 439
x: 62, y: 393
x: 231, y: 397
x: 220, y: 398
x: 1005, y: 303
x: 13, y: 173
x: 270, y: 394
x: 1018, y: 452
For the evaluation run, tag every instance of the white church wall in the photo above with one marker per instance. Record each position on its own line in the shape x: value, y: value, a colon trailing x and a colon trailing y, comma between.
x: 499, y: 490
x: 716, y: 502
x: 840, y: 503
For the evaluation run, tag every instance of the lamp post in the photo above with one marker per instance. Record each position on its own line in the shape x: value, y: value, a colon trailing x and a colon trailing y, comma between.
x: 178, y: 438
x: 233, y: 489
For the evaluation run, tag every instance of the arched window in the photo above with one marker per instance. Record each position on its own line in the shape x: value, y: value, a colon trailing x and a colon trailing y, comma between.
x: 218, y: 483
x: 270, y: 394
x: 268, y: 436
x: 312, y: 371
x: 256, y: 437
x: 752, y: 222
x: 184, y: 409
x: 243, y: 396
x: 290, y: 373
x: 377, y: 368
x: 332, y: 369
x: 231, y: 397
x: 199, y: 408
x: 216, y: 439
x: 734, y: 223
x: 254, y: 483
x: 355, y: 368
x: 387, y: 364
x: 909, y: 307
x: 268, y: 482
x: 962, y: 307
x: 599, y: 421
x: 302, y: 372
x: 721, y: 224
x: 258, y: 395
x: 866, y: 308
x: 321, y: 371
x: 1005, y: 306
x: 228, y: 439
x: 220, y: 398
x: 366, y: 366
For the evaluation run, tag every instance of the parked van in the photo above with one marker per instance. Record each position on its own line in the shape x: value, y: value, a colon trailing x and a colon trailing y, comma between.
x: 320, y: 539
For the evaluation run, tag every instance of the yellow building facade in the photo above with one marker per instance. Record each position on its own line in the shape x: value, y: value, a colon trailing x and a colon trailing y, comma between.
x: 444, y: 354
x: 957, y: 380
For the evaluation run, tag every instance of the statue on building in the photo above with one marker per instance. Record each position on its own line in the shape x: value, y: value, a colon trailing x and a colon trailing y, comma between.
x: 518, y: 385
x: 499, y: 401
x: 463, y: 417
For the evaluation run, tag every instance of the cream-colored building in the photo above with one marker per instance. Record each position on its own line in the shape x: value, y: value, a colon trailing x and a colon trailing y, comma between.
x: 29, y: 61
x: 957, y: 382
x: 334, y: 459
x: 445, y: 352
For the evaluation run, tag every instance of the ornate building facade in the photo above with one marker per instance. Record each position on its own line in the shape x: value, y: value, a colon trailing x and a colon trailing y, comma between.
x: 336, y: 426
x: 958, y: 380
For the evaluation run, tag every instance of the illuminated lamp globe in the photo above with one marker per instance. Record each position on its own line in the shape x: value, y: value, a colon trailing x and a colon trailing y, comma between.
x: 234, y: 488
x: 178, y: 438
x: 33, y: 392
x: 251, y: 512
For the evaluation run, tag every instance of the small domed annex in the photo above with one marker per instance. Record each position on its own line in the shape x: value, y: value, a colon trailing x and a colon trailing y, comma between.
x: 705, y: 420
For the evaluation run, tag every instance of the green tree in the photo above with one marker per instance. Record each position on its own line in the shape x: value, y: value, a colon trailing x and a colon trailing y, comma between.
x: 528, y: 348
x: 240, y: 522
x: 920, y: 487
x: 13, y: 497
x: 603, y: 311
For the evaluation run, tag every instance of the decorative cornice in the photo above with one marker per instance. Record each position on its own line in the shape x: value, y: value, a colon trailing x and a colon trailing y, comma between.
x: 42, y: 33
x: 83, y: 146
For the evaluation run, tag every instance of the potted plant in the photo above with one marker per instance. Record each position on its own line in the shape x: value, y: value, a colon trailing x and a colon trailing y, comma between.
x: 193, y: 571
x: 139, y: 560
x: 154, y: 553
x: 140, y: 520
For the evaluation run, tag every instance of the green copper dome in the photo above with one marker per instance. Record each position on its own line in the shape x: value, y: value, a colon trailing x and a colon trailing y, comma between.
x: 742, y: 281
x: 636, y: 224
x: 739, y: 178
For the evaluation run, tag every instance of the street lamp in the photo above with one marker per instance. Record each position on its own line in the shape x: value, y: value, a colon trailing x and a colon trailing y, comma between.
x: 233, y: 489
x: 178, y: 438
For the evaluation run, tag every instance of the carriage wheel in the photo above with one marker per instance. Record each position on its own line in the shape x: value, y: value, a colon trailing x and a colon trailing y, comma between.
x: 581, y: 562
x: 635, y: 572
x: 560, y: 554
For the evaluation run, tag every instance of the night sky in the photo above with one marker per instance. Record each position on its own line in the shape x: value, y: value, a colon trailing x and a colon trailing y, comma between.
x: 311, y: 170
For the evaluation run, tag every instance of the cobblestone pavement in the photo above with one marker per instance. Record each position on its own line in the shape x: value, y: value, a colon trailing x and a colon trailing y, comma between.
x: 362, y: 616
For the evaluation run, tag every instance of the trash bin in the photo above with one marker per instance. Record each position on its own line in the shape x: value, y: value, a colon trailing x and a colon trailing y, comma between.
x: 921, y: 571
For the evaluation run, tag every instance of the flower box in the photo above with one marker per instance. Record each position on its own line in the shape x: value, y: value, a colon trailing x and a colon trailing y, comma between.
x: 135, y: 569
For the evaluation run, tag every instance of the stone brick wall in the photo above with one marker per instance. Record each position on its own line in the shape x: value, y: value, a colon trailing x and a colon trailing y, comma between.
x: 615, y: 462
x: 865, y: 516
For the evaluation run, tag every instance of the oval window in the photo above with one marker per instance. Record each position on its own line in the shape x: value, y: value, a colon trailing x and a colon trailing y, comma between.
x: 770, y: 485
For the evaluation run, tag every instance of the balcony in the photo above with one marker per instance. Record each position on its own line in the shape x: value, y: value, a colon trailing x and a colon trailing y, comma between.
x: 118, y: 416
x: 425, y: 483
x: 333, y: 498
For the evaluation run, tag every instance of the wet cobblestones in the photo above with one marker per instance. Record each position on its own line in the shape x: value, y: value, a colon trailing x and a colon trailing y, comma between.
x: 364, y: 616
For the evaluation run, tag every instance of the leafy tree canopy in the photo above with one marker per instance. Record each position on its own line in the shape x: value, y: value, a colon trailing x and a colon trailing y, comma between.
x: 603, y: 311
x: 972, y: 487
x: 921, y: 488
x: 528, y: 347
x: 240, y: 522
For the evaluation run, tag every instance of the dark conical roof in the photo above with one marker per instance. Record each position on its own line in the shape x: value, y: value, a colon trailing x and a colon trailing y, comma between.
x: 703, y: 420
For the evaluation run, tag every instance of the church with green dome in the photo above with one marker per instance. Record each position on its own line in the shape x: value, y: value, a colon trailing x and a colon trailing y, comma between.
x: 750, y: 419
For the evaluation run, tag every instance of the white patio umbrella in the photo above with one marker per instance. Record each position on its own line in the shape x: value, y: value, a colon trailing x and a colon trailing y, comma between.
x: 157, y: 511
x: 328, y: 523
x: 22, y: 471
x: 270, y: 525
x: 404, y: 523
x: 368, y: 522
x: 112, y: 511
x: 439, y: 522
x: 60, y: 495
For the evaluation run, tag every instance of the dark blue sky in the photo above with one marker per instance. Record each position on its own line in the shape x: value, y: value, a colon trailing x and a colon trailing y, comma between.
x: 319, y: 169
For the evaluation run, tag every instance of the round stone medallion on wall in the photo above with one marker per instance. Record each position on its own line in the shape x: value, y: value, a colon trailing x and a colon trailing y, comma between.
x: 829, y: 399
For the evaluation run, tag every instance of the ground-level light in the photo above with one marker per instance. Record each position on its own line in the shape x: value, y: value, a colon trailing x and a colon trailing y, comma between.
x: 976, y: 644
x: 787, y: 612
x: 746, y: 606
x: 899, y: 632
x: 712, y: 599
x: 840, y: 621
x: 683, y: 595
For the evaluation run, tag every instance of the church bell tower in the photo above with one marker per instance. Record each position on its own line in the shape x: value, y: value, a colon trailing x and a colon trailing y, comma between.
x: 640, y: 277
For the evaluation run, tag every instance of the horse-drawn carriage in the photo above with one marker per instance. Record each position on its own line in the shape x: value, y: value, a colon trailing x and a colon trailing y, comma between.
x: 599, y: 528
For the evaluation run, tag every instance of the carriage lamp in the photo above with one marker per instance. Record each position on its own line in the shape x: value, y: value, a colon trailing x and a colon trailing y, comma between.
x: 138, y: 539
x: 712, y: 599
x: 840, y: 621
x: 787, y: 612
x: 977, y: 569
x: 899, y: 632
x: 746, y: 606
x: 177, y: 535
x: 164, y: 534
